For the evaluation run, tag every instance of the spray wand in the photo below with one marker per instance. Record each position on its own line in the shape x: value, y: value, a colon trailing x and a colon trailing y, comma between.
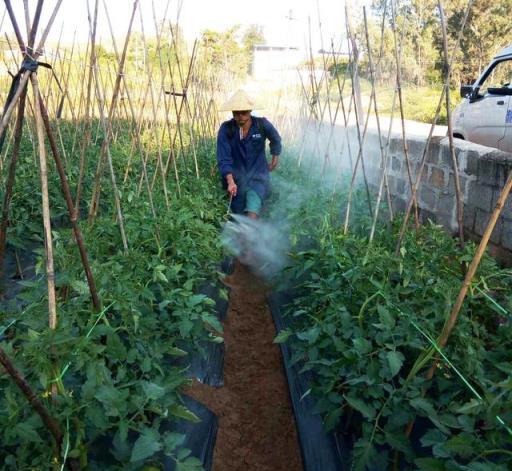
x: 229, y: 205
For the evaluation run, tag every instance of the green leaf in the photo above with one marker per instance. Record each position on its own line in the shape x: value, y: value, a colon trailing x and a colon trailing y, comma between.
x: 310, y: 335
x: 185, y: 327
x: 160, y: 276
x: 146, y: 364
x: 400, y: 442
x: 471, y: 407
x: 29, y: 283
x: 423, y: 405
x: 213, y: 322
x: 172, y: 440
x: 362, y: 345
x: 462, y: 445
x: 114, y: 400
x: 181, y: 411
x: 153, y: 391
x: 146, y: 445
x: 27, y: 432
x: 364, y: 455
x: 81, y: 287
x: 177, y: 352
x: 190, y: 464
x: 480, y: 466
x: 385, y: 316
x: 195, y: 300
x: 183, y: 453
x: 123, y: 430
x: 432, y: 437
x: 429, y: 464
x: 395, y: 360
x: 283, y: 336
x: 361, y: 406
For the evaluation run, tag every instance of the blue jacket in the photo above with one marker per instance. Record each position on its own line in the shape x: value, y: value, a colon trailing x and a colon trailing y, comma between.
x: 245, y: 158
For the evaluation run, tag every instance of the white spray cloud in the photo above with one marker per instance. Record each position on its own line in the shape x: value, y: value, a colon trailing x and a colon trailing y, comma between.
x: 257, y: 243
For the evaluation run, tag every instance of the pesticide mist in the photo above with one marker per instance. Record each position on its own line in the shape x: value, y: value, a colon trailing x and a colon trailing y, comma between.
x: 256, y: 243
x: 313, y: 179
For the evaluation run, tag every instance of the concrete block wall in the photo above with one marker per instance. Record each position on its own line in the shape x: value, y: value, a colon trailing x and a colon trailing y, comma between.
x: 482, y: 172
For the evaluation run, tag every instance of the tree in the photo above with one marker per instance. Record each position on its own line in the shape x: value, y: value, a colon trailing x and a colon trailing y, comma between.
x: 253, y: 36
x: 227, y: 54
x: 487, y: 31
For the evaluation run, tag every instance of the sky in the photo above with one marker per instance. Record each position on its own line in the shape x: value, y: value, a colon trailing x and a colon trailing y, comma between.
x: 284, y: 22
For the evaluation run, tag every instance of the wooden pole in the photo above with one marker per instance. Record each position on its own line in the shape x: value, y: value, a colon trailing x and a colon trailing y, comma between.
x: 50, y: 274
x: 136, y: 136
x: 427, y: 143
x: 455, y: 164
x: 107, y: 125
x: 381, y: 146
x: 93, y: 22
x: 11, y: 176
x: 50, y: 423
x: 71, y: 209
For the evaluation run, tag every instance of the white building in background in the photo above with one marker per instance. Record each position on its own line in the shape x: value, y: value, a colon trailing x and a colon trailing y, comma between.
x: 277, y: 61
x: 271, y: 62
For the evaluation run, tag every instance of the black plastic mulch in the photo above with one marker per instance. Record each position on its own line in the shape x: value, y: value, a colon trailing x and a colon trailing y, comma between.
x: 199, y: 439
x: 321, y: 451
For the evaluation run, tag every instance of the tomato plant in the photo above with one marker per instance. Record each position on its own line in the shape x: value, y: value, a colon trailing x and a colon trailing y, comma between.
x: 365, y: 322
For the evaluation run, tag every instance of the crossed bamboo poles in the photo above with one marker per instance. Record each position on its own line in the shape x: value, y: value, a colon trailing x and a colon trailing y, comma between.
x: 56, y: 101
x: 42, y: 124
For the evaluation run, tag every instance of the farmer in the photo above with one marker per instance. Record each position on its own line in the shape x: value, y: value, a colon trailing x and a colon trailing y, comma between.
x: 241, y: 155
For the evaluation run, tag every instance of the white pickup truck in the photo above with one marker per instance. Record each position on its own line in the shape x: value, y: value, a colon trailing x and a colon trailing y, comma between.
x: 485, y: 114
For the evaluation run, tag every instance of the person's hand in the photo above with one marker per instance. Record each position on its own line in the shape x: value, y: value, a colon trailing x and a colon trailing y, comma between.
x: 232, y: 188
x: 273, y: 164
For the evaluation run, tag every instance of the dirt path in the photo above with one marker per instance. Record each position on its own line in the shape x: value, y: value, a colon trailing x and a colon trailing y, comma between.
x: 256, y: 423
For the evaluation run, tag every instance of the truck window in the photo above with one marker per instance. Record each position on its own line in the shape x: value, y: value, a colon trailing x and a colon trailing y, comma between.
x: 500, y: 77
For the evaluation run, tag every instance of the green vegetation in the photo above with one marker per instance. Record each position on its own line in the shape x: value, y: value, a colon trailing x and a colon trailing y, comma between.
x: 422, y: 44
x: 420, y: 103
x: 365, y: 323
x: 113, y: 370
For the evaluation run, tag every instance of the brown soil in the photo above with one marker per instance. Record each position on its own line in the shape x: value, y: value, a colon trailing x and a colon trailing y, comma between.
x: 256, y: 423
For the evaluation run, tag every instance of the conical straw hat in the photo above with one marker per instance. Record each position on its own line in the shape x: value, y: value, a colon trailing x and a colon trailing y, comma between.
x: 239, y: 101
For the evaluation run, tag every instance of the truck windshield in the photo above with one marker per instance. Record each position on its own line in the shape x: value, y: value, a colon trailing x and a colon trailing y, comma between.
x: 500, y: 77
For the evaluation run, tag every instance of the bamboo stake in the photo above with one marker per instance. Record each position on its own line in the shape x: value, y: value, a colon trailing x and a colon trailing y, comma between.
x: 427, y: 143
x: 18, y: 130
x: 26, y: 75
x: 381, y: 146
x: 356, y: 86
x: 87, y: 118
x: 149, y: 71
x: 174, y: 93
x: 452, y: 319
x: 455, y: 164
x: 50, y: 274
x: 27, y: 17
x: 398, y: 57
x: 185, y: 101
x: 71, y: 210
x: 346, y: 117
x: 119, y: 213
x: 133, y: 117
x: 107, y: 125
x: 50, y: 423
x: 361, y: 138
x: 11, y: 177
x: 79, y: 99
x: 171, y: 150
x: 470, y: 274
